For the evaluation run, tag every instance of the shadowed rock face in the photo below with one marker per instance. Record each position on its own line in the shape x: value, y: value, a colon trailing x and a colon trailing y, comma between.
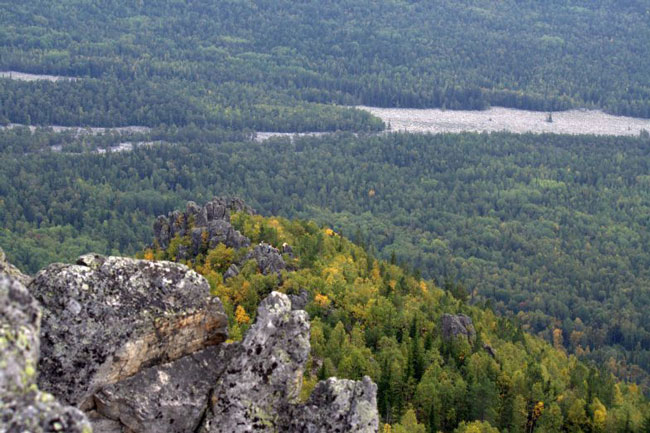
x: 457, y: 325
x: 170, y: 398
x: 258, y: 391
x: 23, y: 408
x: 20, y: 318
x: 106, y: 318
x: 337, y: 405
x: 207, y: 226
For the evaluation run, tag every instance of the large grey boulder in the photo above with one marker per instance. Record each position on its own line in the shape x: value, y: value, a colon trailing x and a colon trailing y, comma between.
x: 337, y: 405
x: 107, y: 318
x: 206, y: 226
x: 171, y: 398
x: 23, y: 408
x: 266, y: 375
x: 457, y: 325
x: 269, y: 260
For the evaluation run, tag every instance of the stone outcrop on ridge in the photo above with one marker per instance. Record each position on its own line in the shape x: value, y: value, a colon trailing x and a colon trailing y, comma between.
x: 106, y: 318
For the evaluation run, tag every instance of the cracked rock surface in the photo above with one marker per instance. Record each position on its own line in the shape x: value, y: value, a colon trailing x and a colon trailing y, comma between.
x: 266, y: 375
x: 337, y: 405
x: 23, y: 408
x: 170, y: 398
x: 137, y: 346
x: 106, y: 318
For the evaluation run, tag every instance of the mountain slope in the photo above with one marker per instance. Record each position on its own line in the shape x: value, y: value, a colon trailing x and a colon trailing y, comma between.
x: 372, y: 318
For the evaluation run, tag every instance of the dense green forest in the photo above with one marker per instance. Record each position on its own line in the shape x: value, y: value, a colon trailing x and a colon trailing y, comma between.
x: 369, y: 317
x: 547, y: 234
x: 280, y: 64
x: 553, y: 229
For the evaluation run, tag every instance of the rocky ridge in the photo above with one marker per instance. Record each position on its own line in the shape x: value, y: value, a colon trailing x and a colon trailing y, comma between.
x: 106, y: 318
x: 206, y: 226
x: 137, y: 345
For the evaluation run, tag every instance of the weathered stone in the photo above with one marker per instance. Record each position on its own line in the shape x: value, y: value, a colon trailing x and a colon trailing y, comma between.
x: 259, y: 389
x: 169, y: 398
x: 206, y: 226
x: 337, y: 405
x: 9, y: 269
x: 457, y: 325
x: 266, y: 375
x: 107, y: 318
x: 38, y: 412
x: 19, y: 336
x: 23, y: 408
x: 269, y: 260
x: 299, y: 301
x: 231, y: 272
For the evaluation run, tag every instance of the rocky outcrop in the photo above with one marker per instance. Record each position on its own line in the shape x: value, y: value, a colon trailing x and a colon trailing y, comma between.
x: 134, y: 344
x: 458, y: 325
x: 266, y: 376
x: 206, y: 226
x: 300, y: 301
x: 232, y: 271
x: 107, y: 318
x: 23, y: 408
x: 170, y: 398
x: 269, y: 260
x: 337, y: 405
x: 260, y: 387
x: 12, y: 271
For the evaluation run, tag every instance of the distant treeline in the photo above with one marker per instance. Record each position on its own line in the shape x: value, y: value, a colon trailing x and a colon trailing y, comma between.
x: 280, y: 64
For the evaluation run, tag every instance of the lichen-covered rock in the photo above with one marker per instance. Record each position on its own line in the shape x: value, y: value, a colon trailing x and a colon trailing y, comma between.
x: 38, y: 412
x: 269, y: 260
x: 106, y: 318
x: 337, y: 405
x: 19, y: 336
x: 457, y: 325
x: 9, y: 269
x: 171, y: 398
x: 266, y: 375
x: 258, y: 392
x: 206, y: 226
x: 23, y: 408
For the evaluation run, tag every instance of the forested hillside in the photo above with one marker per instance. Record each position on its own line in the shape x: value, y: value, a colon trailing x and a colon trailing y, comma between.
x: 551, y: 228
x: 547, y: 234
x: 369, y: 317
x: 278, y: 64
